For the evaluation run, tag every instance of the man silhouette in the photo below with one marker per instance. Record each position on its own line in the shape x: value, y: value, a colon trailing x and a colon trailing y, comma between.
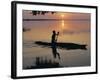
x: 54, y: 44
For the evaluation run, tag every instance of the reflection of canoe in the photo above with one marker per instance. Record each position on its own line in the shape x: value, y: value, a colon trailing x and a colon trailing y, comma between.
x: 44, y: 63
x: 62, y: 45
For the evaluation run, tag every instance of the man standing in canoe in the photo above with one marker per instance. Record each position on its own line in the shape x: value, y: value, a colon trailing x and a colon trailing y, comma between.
x: 54, y: 43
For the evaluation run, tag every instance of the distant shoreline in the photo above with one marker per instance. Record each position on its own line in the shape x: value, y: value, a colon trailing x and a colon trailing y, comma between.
x: 55, y: 19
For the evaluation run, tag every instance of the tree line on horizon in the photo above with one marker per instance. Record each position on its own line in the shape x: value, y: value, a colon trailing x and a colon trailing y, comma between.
x: 41, y: 12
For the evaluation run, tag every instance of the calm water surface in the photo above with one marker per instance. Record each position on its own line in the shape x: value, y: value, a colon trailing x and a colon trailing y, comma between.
x: 70, y: 31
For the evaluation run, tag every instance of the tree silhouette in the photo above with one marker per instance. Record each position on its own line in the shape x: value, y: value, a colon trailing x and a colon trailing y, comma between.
x: 41, y: 12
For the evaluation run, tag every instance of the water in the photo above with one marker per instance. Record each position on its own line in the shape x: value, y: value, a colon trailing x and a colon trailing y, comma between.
x: 74, y: 31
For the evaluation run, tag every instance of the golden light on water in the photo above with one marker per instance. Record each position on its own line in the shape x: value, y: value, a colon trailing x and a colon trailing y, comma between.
x: 62, y: 15
x: 61, y: 26
x: 62, y: 23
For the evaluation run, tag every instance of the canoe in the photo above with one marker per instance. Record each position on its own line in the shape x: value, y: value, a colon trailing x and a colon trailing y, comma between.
x: 61, y: 45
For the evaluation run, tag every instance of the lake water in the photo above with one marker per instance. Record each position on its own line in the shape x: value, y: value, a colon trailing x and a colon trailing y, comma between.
x: 71, y: 31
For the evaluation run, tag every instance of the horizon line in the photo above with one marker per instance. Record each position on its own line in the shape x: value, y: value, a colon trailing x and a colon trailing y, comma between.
x: 55, y: 19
